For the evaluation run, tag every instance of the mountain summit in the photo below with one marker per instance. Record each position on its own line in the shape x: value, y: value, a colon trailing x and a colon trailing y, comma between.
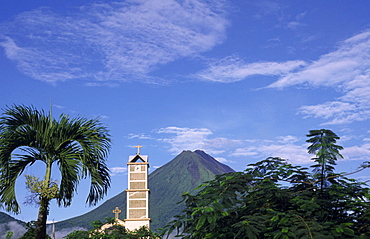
x: 182, y: 174
x: 167, y: 183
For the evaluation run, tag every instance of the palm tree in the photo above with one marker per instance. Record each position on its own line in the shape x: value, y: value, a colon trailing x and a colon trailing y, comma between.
x: 323, y: 145
x: 78, y: 147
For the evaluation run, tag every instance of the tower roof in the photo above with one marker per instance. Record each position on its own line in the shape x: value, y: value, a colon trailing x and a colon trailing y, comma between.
x: 135, y: 158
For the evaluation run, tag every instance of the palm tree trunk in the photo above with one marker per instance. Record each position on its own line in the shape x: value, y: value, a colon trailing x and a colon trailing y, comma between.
x: 44, y: 206
x: 41, y: 218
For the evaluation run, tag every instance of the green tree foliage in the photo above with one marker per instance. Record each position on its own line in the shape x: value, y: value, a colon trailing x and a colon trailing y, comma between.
x: 38, y: 189
x: 326, y: 151
x: 78, y: 235
x: 31, y: 231
x: 115, y: 232
x: 274, y: 199
x: 9, y: 235
x: 78, y: 147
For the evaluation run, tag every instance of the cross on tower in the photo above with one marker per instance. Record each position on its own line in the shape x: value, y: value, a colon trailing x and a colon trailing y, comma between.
x: 116, y: 211
x: 138, y: 148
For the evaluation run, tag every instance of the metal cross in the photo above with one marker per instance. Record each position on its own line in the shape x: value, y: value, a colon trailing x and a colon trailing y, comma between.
x: 117, y: 211
x: 138, y: 148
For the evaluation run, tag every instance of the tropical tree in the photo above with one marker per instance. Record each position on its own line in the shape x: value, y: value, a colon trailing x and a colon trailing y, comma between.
x: 274, y: 199
x: 78, y: 147
x: 323, y: 146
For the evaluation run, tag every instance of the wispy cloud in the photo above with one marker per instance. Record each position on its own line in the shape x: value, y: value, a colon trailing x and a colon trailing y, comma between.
x: 139, y: 136
x: 111, y: 41
x: 295, y: 150
x: 347, y: 70
x: 182, y: 138
x: 335, y: 68
x: 287, y: 147
x: 361, y: 152
x: 232, y: 69
x: 185, y: 138
x: 118, y: 170
x: 229, y: 150
x: 277, y: 12
x: 222, y: 160
x: 267, y: 7
x: 225, y: 150
x: 297, y: 22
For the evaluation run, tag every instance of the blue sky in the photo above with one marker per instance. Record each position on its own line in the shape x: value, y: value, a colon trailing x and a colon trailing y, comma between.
x: 242, y: 80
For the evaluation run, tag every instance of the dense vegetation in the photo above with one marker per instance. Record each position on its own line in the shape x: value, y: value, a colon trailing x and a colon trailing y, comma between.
x: 274, y: 199
x: 114, y: 232
x: 31, y: 231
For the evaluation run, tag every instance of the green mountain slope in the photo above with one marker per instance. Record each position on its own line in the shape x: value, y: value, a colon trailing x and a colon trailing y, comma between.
x: 182, y: 174
x: 9, y: 223
x: 5, y: 218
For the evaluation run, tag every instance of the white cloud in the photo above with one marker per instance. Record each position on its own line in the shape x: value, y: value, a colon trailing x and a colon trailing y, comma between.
x: 117, y: 170
x: 291, y: 148
x: 114, y: 41
x: 221, y: 142
x: 185, y: 138
x: 227, y: 150
x: 283, y: 147
x: 232, y: 69
x: 247, y: 151
x: 40, y: 64
x: 329, y: 109
x: 288, y: 147
x: 195, y: 138
x: 297, y: 21
x: 266, y: 8
x: 105, y: 84
x: 344, y: 64
x: 223, y: 160
x: 346, y: 70
x: 138, y: 136
x: 357, y: 152
x: 287, y: 139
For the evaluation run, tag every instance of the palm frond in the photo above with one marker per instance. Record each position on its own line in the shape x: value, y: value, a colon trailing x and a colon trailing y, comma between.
x: 79, y: 146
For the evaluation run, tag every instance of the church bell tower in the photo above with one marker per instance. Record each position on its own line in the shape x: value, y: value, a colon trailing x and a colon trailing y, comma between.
x: 137, y: 192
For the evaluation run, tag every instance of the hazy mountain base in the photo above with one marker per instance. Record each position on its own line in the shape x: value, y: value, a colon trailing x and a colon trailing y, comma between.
x: 19, y: 229
x: 167, y: 183
x: 9, y: 223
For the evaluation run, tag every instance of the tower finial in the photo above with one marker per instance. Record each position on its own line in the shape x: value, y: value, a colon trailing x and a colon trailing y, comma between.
x: 138, y: 148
